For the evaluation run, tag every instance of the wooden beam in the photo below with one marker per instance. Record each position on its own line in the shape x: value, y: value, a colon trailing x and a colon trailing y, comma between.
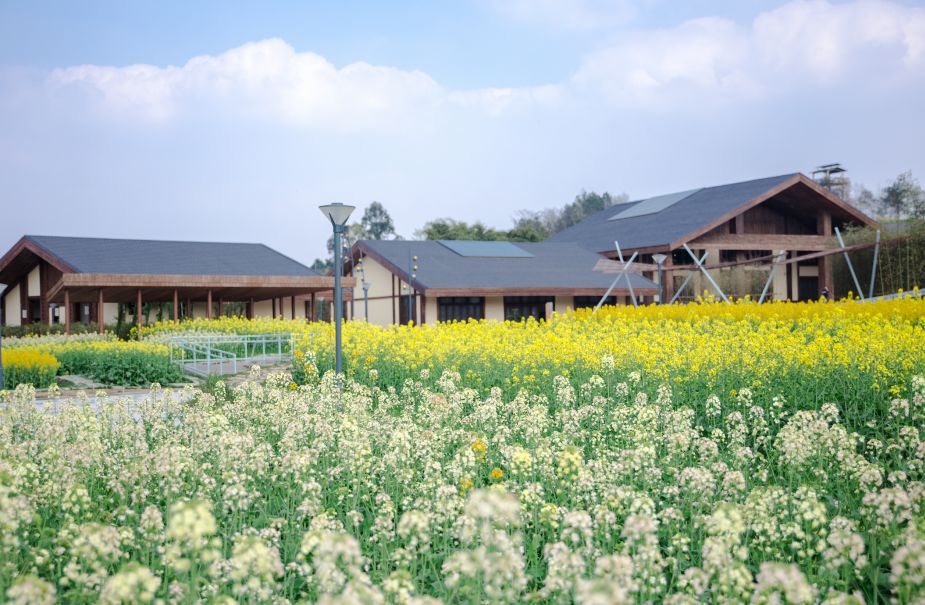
x: 536, y: 291
x: 209, y: 305
x: 754, y: 241
x: 100, y: 312
x: 293, y: 307
x: 176, y: 305
x: 312, y: 317
x: 138, y: 312
x: 67, y: 312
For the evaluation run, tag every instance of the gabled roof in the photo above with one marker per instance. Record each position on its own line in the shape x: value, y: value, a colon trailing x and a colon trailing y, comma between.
x: 487, y: 268
x: 154, y: 257
x: 669, y: 220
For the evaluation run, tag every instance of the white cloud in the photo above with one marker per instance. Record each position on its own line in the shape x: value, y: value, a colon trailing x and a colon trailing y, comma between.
x: 799, y: 46
x: 802, y: 43
x: 568, y: 14
x: 270, y: 80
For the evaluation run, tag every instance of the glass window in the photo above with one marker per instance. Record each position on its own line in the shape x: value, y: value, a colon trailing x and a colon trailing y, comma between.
x: 589, y: 302
x: 460, y: 308
x: 517, y: 308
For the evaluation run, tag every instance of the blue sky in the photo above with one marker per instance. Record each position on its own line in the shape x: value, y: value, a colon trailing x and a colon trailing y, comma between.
x: 234, y: 120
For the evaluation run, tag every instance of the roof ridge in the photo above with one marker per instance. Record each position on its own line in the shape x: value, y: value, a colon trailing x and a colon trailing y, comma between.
x: 145, y: 239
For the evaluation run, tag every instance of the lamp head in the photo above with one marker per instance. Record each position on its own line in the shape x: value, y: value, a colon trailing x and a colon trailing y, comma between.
x: 337, y: 213
x: 659, y: 258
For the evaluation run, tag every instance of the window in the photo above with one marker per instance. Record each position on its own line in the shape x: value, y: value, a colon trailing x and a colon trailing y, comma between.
x: 589, y: 302
x: 35, y: 310
x: 517, y: 308
x: 460, y: 308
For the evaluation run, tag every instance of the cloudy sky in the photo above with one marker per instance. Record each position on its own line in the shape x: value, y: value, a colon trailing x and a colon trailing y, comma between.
x: 233, y: 121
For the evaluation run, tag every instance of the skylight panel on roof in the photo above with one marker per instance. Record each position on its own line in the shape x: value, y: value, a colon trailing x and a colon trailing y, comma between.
x: 485, y: 249
x: 653, y: 205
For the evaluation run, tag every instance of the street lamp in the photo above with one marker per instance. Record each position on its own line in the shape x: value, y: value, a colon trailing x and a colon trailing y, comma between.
x: 361, y: 267
x: 660, y: 260
x: 412, y: 275
x: 338, y: 214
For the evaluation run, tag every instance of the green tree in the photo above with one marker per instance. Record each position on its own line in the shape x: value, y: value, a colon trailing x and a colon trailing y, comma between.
x: 903, y: 197
x: 447, y: 228
x: 377, y: 223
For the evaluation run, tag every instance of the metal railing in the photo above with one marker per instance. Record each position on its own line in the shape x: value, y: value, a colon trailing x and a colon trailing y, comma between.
x: 206, y: 354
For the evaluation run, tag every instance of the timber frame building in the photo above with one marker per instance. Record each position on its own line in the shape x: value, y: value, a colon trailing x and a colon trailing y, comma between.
x: 75, y: 279
x: 747, y: 224
x: 460, y: 280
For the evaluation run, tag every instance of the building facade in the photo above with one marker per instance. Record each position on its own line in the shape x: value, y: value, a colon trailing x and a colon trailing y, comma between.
x: 432, y: 281
x: 69, y: 279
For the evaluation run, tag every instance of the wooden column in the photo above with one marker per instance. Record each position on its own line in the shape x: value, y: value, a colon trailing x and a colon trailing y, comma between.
x: 293, y: 307
x: 138, y: 311
x: 176, y: 306
x: 826, y: 278
x: 67, y: 311
x: 667, y: 279
x: 100, y: 312
x: 209, y: 304
x: 250, y: 309
x: 311, y: 315
x: 189, y: 308
x: 221, y: 306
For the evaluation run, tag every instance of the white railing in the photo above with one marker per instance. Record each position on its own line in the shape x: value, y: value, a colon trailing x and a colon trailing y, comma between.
x: 206, y: 354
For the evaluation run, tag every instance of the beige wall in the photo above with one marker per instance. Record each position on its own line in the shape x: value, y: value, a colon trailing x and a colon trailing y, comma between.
x: 494, y: 308
x: 12, y: 315
x: 564, y: 304
x: 35, y: 282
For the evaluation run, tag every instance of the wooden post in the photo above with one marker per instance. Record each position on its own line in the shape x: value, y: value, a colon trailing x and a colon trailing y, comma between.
x: 176, y: 305
x: 67, y: 312
x: 311, y: 315
x: 138, y: 311
x: 221, y: 306
x: 250, y: 309
x: 273, y: 302
x: 293, y: 306
x: 100, y: 312
x: 667, y: 279
x: 826, y: 278
x: 548, y: 311
x: 209, y: 304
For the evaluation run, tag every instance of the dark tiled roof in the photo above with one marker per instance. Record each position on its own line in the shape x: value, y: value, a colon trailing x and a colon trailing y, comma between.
x: 598, y: 232
x: 552, y: 265
x: 150, y: 257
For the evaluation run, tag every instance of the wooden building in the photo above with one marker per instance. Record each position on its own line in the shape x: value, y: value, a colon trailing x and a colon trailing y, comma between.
x: 75, y: 279
x: 741, y: 227
x: 430, y: 281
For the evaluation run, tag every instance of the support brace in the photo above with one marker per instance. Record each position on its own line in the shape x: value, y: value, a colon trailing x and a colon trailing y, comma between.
x: 780, y: 256
x: 624, y: 273
x: 687, y: 280
x: 707, y: 275
x: 854, y: 275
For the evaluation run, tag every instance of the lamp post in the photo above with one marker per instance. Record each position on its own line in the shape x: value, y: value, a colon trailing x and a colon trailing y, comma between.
x: 361, y: 267
x: 660, y: 260
x: 412, y: 275
x: 338, y: 214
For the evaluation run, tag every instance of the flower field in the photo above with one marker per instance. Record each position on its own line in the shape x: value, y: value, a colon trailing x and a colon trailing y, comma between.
x: 697, y: 454
x: 103, y: 359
